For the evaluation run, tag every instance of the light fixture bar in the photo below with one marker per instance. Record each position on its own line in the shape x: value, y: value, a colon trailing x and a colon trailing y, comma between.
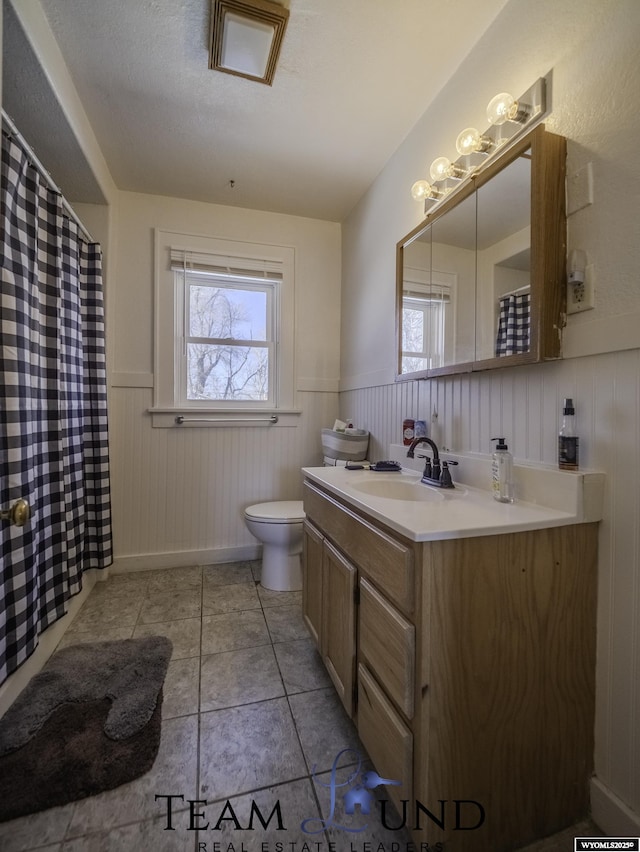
x: 480, y: 148
x: 246, y: 37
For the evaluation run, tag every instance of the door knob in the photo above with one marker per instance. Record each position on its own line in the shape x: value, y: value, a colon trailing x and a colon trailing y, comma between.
x: 18, y: 514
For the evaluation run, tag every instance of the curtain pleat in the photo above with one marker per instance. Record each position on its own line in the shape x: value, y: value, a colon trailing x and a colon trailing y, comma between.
x: 53, y: 415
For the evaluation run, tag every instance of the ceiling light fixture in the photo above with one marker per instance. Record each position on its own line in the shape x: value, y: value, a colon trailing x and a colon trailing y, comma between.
x: 509, y: 119
x: 245, y: 37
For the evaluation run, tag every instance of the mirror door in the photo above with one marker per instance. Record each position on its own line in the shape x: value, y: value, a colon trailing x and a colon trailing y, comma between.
x: 503, y: 295
x: 453, y: 254
x: 415, y: 314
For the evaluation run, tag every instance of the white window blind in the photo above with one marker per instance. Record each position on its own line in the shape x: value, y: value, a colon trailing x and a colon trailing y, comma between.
x: 217, y: 264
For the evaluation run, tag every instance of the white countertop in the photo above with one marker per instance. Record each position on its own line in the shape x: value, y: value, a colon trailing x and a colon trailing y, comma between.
x: 465, y: 510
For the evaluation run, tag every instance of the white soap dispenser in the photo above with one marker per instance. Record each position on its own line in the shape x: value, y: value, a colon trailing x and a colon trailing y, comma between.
x: 502, y: 472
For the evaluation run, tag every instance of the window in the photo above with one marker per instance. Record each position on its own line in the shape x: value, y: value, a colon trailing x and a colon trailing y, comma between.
x: 229, y: 346
x: 226, y: 340
x: 229, y: 311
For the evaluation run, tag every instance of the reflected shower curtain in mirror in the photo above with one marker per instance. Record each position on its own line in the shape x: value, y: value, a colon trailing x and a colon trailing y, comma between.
x: 514, y: 324
x: 53, y: 411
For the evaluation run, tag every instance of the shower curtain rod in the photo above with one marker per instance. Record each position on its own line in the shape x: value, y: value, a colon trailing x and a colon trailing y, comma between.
x: 15, y: 133
x: 515, y: 292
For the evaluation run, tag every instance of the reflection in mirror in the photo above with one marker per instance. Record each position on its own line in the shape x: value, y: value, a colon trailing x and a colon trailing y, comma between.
x: 504, y: 262
x: 416, y: 319
x: 439, y: 292
x: 453, y: 263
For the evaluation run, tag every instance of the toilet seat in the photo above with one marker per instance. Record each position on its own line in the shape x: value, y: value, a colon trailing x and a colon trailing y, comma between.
x: 278, y: 512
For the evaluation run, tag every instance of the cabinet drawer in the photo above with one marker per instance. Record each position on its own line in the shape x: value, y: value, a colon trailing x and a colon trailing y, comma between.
x: 385, y: 736
x: 388, y: 646
x: 388, y: 562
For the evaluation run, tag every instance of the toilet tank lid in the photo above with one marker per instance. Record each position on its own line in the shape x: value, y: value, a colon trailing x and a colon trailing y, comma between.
x: 283, y: 510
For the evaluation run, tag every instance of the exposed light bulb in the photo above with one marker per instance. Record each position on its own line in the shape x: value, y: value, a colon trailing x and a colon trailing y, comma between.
x: 443, y: 168
x: 470, y: 141
x: 440, y: 169
x: 504, y: 107
x: 422, y: 190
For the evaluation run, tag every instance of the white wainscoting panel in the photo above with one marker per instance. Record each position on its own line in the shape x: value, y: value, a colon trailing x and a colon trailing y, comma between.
x: 183, y: 491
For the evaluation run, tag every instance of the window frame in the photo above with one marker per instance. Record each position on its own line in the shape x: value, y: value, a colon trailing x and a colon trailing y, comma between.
x: 169, y: 389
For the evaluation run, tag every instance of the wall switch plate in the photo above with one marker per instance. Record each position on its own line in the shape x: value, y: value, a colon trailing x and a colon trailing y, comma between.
x: 581, y: 295
x: 580, y: 189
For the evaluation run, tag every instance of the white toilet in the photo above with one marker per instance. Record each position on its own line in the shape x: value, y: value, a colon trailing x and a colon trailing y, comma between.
x: 278, y: 526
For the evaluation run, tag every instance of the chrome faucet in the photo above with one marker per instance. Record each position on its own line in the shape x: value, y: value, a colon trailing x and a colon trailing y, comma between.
x: 434, y: 473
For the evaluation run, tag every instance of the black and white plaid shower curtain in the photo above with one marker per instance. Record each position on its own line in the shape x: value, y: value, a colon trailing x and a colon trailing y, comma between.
x: 53, y: 408
x: 514, y: 324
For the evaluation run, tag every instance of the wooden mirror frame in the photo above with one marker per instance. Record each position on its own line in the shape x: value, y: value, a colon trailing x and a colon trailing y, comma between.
x: 548, y: 253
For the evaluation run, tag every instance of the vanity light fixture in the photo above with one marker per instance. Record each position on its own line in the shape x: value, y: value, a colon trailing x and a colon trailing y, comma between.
x: 245, y: 37
x: 423, y: 190
x: 443, y: 168
x: 508, y: 120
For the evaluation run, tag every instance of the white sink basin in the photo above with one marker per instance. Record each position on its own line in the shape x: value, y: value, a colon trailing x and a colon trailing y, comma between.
x: 398, y: 489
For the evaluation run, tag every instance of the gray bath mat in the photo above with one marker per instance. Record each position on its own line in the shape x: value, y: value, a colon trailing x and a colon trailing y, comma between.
x: 89, y: 721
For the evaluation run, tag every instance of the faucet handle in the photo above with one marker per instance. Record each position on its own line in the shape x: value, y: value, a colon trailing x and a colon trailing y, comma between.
x: 445, y: 476
x: 427, y: 466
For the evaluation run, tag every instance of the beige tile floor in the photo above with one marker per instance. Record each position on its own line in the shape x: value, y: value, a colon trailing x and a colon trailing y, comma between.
x: 249, y: 716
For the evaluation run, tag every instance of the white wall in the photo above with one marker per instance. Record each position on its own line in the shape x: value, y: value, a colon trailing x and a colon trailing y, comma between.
x: 186, y: 489
x: 590, y: 47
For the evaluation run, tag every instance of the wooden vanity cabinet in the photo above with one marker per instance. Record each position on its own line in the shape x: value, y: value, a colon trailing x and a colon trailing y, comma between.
x: 472, y: 666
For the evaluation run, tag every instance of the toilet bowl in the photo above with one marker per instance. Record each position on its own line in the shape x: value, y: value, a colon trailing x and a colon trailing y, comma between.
x: 278, y: 526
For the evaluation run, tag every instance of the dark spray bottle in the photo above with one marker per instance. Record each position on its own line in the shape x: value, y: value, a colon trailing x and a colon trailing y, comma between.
x: 567, y: 439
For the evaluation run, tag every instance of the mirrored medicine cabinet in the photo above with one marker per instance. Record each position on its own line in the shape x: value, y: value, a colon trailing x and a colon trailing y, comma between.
x: 481, y: 282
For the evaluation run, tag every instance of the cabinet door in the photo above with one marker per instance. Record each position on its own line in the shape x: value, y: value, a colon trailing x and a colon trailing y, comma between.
x: 338, y: 645
x: 312, y: 581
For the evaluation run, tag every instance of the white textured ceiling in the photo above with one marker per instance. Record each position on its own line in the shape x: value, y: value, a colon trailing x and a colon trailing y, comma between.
x: 353, y: 78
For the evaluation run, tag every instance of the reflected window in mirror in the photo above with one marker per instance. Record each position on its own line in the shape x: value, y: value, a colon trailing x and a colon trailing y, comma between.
x: 414, y: 317
x: 426, y: 315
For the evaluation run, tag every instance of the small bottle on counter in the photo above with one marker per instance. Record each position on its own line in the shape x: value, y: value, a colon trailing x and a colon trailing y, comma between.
x: 568, y: 442
x: 408, y: 431
x: 502, y: 472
